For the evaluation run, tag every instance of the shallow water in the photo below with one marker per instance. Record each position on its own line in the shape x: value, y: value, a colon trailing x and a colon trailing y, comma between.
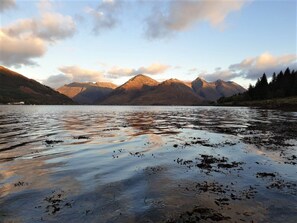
x: 147, y: 164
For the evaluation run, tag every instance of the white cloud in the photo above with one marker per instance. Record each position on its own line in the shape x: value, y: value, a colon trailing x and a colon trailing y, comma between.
x: 153, y: 69
x: 20, y: 51
x: 26, y: 39
x: 105, y: 15
x: 181, y: 15
x: 6, y: 5
x: 74, y: 74
x: 49, y: 27
x: 254, y: 67
x: 78, y: 74
x: 45, y: 5
x: 117, y: 71
x: 82, y: 75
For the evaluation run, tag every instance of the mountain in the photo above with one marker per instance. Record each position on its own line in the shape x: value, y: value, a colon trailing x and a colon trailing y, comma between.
x: 169, y: 92
x: 87, y: 93
x: 143, y: 90
x: 14, y: 87
x: 129, y: 91
x: 212, y: 91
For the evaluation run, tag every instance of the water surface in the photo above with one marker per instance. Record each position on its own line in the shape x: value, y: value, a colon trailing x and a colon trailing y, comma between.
x: 147, y: 164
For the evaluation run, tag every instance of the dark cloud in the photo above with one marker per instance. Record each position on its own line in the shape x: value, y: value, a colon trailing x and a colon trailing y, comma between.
x: 6, y: 5
x: 225, y: 75
x: 58, y: 80
x: 105, y: 15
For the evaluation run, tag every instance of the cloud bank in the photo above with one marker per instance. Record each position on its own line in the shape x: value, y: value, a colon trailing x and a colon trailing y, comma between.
x: 181, y: 15
x: 20, y: 51
x: 153, y: 69
x: 26, y: 39
x: 253, y: 67
x: 77, y: 74
x: 74, y: 74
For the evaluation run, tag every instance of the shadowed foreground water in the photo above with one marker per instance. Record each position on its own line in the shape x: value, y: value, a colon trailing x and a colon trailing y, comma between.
x: 147, y: 164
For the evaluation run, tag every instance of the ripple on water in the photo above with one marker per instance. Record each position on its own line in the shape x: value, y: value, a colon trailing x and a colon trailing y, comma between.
x: 160, y: 164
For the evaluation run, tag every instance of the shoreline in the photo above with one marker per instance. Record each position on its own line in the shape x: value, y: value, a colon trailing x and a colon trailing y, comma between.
x: 288, y: 104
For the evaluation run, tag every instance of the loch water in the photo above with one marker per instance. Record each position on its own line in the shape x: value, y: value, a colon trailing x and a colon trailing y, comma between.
x: 147, y: 164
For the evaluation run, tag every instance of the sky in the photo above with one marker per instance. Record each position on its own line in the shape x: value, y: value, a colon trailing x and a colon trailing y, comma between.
x: 59, y: 42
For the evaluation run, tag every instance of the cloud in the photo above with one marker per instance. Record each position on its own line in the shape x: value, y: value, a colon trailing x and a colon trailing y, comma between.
x: 45, y: 5
x: 20, y: 51
x: 105, y: 16
x: 58, y: 80
x: 116, y: 72
x: 27, y: 39
x: 6, y: 5
x: 81, y: 74
x: 252, y: 68
x: 78, y: 74
x: 74, y: 74
x: 181, y: 15
x: 219, y: 75
x: 49, y: 27
x: 191, y: 70
x: 153, y: 69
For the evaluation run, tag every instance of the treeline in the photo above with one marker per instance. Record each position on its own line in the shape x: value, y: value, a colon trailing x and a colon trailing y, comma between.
x: 284, y: 84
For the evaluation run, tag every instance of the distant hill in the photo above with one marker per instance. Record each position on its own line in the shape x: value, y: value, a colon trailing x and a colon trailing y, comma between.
x: 87, y: 93
x: 212, y: 91
x: 14, y: 88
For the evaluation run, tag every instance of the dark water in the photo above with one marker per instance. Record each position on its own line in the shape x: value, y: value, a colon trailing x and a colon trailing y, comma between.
x: 147, y: 164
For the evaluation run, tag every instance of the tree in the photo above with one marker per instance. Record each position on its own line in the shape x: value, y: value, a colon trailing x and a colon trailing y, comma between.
x: 281, y: 85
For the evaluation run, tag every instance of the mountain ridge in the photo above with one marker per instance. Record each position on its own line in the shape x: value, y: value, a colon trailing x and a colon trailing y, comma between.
x: 16, y: 88
x: 87, y: 92
x: 143, y: 90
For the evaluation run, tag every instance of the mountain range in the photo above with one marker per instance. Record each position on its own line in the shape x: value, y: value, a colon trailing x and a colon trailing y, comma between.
x: 139, y: 90
x: 143, y: 90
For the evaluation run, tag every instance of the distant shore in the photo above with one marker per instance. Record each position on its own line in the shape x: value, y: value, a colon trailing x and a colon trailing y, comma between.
x: 289, y: 103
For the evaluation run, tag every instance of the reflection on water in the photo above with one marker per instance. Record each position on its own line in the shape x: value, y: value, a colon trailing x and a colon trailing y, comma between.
x: 155, y: 164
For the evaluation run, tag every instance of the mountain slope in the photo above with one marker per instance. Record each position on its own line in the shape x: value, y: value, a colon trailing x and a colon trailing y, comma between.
x: 87, y: 93
x: 138, y: 82
x: 133, y: 88
x: 14, y: 87
x: 212, y: 91
x: 169, y: 92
